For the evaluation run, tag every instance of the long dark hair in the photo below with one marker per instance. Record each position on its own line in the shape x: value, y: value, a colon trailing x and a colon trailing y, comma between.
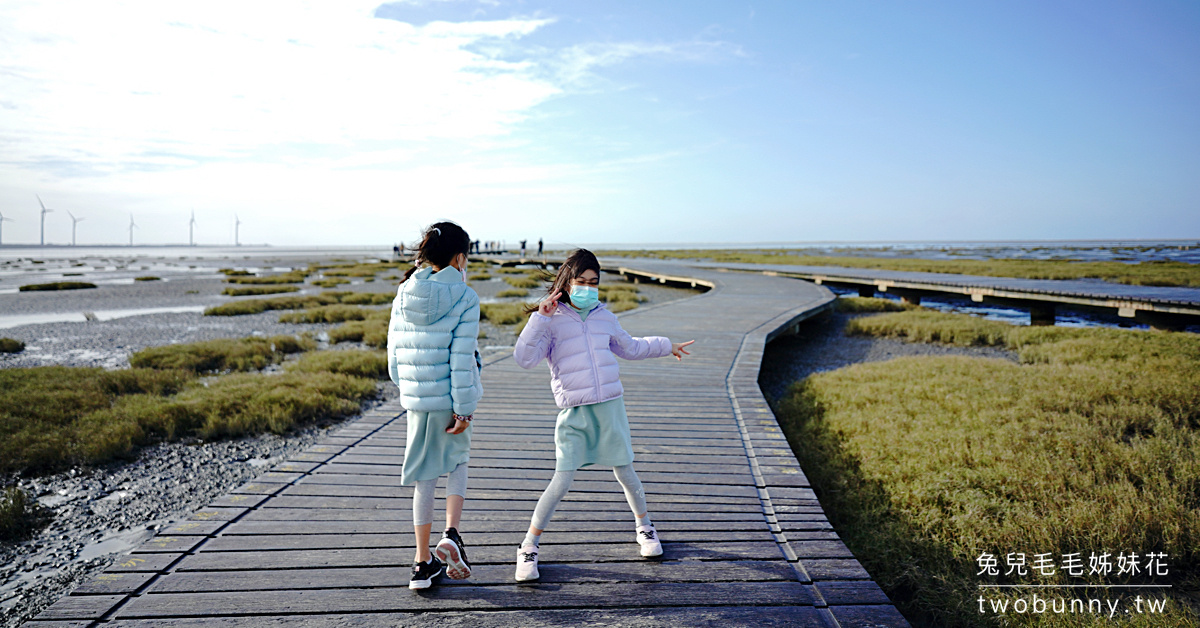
x: 578, y: 262
x: 441, y: 243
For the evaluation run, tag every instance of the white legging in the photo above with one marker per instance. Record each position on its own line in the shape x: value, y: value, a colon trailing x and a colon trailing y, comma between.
x: 561, y: 483
x: 456, y: 484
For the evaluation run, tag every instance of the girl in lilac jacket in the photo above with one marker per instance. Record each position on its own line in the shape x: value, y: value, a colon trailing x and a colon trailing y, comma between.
x: 581, y: 339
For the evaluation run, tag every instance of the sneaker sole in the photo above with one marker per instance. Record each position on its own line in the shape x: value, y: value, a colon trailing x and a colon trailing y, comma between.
x: 456, y: 568
x: 651, y: 554
x: 530, y: 579
x: 417, y: 585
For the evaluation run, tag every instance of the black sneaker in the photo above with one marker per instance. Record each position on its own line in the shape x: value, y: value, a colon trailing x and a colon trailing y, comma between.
x: 451, y: 551
x: 424, y: 573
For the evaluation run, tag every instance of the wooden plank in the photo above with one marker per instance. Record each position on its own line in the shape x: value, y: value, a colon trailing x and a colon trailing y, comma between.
x: 80, y: 607
x: 482, y: 575
x: 584, y: 596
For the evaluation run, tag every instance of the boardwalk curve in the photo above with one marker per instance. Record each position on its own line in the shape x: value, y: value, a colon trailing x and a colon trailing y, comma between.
x: 324, y: 539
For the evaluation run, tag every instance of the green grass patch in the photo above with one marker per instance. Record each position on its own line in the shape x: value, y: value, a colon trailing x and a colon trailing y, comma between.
x: 503, y: 313
x: 8, y: 345
x: 371, y: 332
x: 361, y: 270
x: 57, y: 285
x: 255, y: 306
x: 523, y: 281
x: 295, y: 276
x: 1153, y: 273
x: 148, y: 278
x: 258, y: 290
x: 20, y: 514
x: 222, y: 354
x: 372, y: 364
x: 333, y: 314
x: 230, y: 272
x: 513, y: 292
x: 54, y: 417
x: 1090, y: 444
x: 332, y: 282
x: 867, y: 304
x: 479, y: 277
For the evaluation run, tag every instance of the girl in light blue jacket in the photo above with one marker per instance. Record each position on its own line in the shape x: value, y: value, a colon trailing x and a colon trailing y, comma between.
x: 432, y: 358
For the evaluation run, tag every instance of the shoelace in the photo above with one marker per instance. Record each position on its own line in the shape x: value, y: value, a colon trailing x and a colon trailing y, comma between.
x: 529, y: 556
x: 647, y: 534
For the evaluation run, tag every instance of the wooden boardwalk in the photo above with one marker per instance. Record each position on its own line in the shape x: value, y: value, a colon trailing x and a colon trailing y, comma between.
x: 325, y: 539
x: 1158, y: 306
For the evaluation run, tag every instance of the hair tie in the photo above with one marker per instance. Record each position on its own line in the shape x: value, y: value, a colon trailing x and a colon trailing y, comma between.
x: 439, y: 231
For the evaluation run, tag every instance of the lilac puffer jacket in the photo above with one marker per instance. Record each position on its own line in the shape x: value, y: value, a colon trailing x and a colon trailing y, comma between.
x: 583, y: 353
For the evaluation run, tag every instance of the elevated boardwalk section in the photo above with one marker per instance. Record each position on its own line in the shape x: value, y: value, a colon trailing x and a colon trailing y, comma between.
x: 325, y: 539
x: 1158, y: 306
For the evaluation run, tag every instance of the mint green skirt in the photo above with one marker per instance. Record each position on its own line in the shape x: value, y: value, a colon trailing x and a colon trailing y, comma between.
x: 431, y: 452
x: 596, y: 433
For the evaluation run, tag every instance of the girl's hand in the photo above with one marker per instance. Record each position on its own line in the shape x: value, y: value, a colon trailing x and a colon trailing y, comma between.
x: 677, y: 349
x: 547, y: 306
x: 458, y: 427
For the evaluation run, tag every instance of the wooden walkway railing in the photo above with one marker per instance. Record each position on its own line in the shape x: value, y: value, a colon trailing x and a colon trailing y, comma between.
x: 325, y: 538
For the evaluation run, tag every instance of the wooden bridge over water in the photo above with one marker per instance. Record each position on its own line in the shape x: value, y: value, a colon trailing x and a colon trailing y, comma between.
x: 325, y: 538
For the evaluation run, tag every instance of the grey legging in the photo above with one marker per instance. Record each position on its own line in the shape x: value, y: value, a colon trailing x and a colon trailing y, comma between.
x: 456, y: 484
x: 561, y: 483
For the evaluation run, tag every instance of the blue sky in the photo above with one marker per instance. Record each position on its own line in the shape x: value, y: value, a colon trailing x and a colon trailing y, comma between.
x: 581, y: 122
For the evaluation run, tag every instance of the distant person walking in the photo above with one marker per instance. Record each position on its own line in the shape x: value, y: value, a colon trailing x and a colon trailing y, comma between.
x: 581, y: 339
x: 523, y: 249
x: 539, y: 247
x: 431, y: 357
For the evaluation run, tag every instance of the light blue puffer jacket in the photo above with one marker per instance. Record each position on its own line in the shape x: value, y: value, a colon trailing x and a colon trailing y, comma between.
x: 432, y: 341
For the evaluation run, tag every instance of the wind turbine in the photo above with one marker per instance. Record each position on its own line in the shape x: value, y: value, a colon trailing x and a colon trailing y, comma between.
x: 236, y: 223
x: 44, y: 212
x: 191, y: 229
x: 2, y: 219
x: 131, y: 228
x: 74, y: 221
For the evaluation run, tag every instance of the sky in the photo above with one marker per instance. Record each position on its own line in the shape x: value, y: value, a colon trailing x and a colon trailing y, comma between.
x: 358, y: 122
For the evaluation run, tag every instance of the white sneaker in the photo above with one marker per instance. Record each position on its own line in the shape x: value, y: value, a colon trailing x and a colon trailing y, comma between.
x: 527, y: 563
x: 647, y: 537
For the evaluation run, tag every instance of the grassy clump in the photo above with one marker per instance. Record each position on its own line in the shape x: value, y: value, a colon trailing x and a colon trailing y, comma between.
x: 359, y: 363
x: 332, y: 314
x: 57, y: 285
x: 20, y: 515
x: 503, y: 313
x: 361, y: 270
x: 479, y: 277
x: 1152, y: 273
x: 1091, y: 443
x: 222, y: 354
x: 53, y: 417
x: 371, y: 332
x: 8, y: 345
x: 39, y: 408
x: 258, y: 290
x: 148, y: 278
x: 255, y: 306
x: 513, y: 292
x: 620, y: 297
x: 332, y: 282
x: 867, y: 304
x: 295, y: 276
x: 524, y: 281
x: 229, y: 272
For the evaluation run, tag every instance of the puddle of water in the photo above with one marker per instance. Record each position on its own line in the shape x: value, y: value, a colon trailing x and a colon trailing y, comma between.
x: 115, y: 544
x: 78, y: 317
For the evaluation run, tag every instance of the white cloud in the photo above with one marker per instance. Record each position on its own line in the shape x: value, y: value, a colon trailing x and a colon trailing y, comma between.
x: 108, y: 85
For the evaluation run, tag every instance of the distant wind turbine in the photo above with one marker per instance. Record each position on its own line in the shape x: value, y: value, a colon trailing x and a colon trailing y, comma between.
x: 44, y: 212
x: 236, y: 223
x: 131, y: 228
x: 191, y: 229
x: 2, y: 219
x: 74, y: 221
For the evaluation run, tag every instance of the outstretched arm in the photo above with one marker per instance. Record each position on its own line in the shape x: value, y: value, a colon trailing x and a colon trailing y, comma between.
x: 625, y: 346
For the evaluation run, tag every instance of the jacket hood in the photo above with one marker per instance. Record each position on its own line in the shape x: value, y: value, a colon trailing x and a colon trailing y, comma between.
x: 428, y: 296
